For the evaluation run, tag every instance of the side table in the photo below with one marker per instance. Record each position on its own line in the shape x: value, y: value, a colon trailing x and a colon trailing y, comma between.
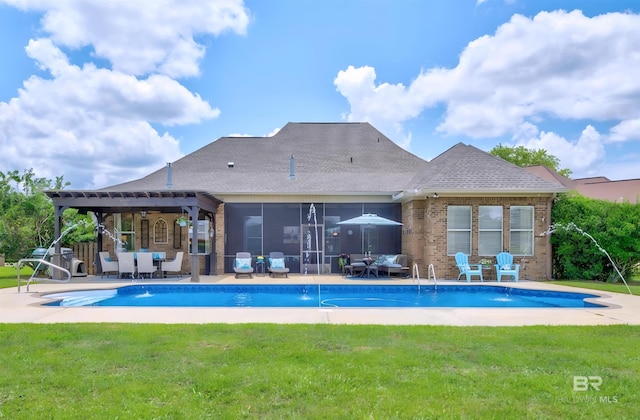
x: 260, y: 269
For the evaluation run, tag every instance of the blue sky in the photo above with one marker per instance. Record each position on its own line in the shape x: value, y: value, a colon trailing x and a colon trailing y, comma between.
x: 105, y: 92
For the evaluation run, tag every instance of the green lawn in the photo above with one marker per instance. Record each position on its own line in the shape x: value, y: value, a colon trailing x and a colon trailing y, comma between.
x: 607, y: 287
x: 108, y: 371
x: 9, y: 276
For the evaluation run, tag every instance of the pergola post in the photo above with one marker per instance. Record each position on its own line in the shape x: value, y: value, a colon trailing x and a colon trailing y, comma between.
x: 194, y: 212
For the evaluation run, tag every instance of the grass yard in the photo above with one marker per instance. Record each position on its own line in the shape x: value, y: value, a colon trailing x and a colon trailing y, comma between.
x: 107, y: 371
x: 9, y: 276
x: 605, y: 287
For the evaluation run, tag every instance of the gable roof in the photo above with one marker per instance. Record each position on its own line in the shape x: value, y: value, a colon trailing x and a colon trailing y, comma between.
x: 466, y: 169
x: 336, y: 159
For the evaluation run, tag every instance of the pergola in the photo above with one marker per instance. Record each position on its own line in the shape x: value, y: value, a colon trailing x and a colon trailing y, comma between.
x: 103, y: 203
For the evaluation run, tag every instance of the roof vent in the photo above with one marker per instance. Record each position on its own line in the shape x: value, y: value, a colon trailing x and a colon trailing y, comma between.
x: 230, y: 164
x: 292, y: 174
x: 169, y: 182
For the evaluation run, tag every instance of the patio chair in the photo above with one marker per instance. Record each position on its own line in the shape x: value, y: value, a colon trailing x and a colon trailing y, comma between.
x: 107, y: 264
x: 466, y: 269
x: 145, y: 264
x: 276, y: 265
x: 126, y: 265
x: 173, y: 266
x: 506, y: 267
x: 242, y: 264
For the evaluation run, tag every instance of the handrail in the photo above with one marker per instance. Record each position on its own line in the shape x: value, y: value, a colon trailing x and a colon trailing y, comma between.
x: 431, y: 270
x: 415, y: 274
x: 41, y: 261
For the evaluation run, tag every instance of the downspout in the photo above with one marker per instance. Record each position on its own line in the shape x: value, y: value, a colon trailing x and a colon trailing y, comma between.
x: 549, y: 262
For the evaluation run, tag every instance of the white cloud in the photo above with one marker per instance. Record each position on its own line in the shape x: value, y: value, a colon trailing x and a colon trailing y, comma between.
x: 626, y: 130
x: 140, y: 37
x: 93, y: 122
x: 557, y: 64
x: 371, y: 103
x: 580, y: 155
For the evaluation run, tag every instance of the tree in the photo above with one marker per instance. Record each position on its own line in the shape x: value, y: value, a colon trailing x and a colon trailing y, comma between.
x: 521, y: 156
x: 26, y: 213
x: 615, y: 228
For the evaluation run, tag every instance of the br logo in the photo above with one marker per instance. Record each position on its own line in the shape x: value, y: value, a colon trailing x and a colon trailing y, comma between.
x: 582, y: 383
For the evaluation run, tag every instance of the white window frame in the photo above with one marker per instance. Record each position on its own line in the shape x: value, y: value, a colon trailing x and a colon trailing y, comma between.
x: 521, y: 231
x: 452, y: 247
x: 156, y: 239
x: 484, y: 231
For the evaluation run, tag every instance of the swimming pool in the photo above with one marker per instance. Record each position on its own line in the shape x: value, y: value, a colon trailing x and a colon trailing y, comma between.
x: 326, y: 296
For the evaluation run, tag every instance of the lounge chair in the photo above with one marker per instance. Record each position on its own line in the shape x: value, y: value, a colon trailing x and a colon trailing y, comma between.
x: 506, y: 267
x: 145, y: 264
x: 107, y: 265
x: 126, y: 265
x: 394, y: 264
x: 277, y: 266
x: 242, y: 265
x: 173, y: 266
x: 466, y: 269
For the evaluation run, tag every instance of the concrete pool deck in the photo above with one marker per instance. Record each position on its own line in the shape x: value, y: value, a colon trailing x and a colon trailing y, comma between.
x: 26, y: 307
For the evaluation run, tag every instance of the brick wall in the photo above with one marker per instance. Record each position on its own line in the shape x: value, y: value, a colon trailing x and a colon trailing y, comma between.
x: 424, y: 238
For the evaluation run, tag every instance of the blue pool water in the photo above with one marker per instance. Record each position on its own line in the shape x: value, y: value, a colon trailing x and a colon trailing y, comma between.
x: 309, y: 296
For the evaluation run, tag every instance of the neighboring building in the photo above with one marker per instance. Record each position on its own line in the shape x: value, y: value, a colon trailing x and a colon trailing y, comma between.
x: 601, y: 188
x: 257, y: 194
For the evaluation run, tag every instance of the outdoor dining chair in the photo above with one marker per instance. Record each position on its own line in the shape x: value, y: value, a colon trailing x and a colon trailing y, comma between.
x: 126, y: 265
x: 173, y: 266
x: 145, y: 264
x: 107, y: 264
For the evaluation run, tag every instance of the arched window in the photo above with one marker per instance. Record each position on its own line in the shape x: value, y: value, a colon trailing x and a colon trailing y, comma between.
x: 160, y: 232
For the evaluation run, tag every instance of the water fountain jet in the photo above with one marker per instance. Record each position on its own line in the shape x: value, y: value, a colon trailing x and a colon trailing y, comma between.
x: 572, y: 227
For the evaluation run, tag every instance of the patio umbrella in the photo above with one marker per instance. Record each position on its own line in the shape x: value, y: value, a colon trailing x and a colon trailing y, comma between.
x: 370, y: 219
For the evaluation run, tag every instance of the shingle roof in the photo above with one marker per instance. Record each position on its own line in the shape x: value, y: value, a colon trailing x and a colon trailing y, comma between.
x: 335, y: 158
x: 466, y: 169
x: 329, y: 158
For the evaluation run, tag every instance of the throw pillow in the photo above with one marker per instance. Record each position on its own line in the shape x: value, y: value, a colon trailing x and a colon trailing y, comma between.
x: 277, y: 263
x: 392, y: 259
x: 243, y: 263
x: 506, y: 267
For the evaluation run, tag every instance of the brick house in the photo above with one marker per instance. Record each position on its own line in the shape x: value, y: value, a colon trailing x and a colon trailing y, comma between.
x: 263, y: 194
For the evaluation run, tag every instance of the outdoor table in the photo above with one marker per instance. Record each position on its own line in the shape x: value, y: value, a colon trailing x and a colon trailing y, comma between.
x: 367, y: 271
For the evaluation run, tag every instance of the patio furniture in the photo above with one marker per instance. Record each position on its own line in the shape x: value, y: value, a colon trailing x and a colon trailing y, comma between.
x: 172, y: 266
x: 107, y: 264
x: 355, y: 267
x: 466, y: 269
x: 242, y: 264
x: 506, y: 267
x: 394, y: 264
x: 126, y: 264
x: 276, y: 265
x: 145, y: 264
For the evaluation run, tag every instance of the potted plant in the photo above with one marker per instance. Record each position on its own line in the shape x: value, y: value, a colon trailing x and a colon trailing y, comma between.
x: 485, y: 262
x: 183, y: 221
